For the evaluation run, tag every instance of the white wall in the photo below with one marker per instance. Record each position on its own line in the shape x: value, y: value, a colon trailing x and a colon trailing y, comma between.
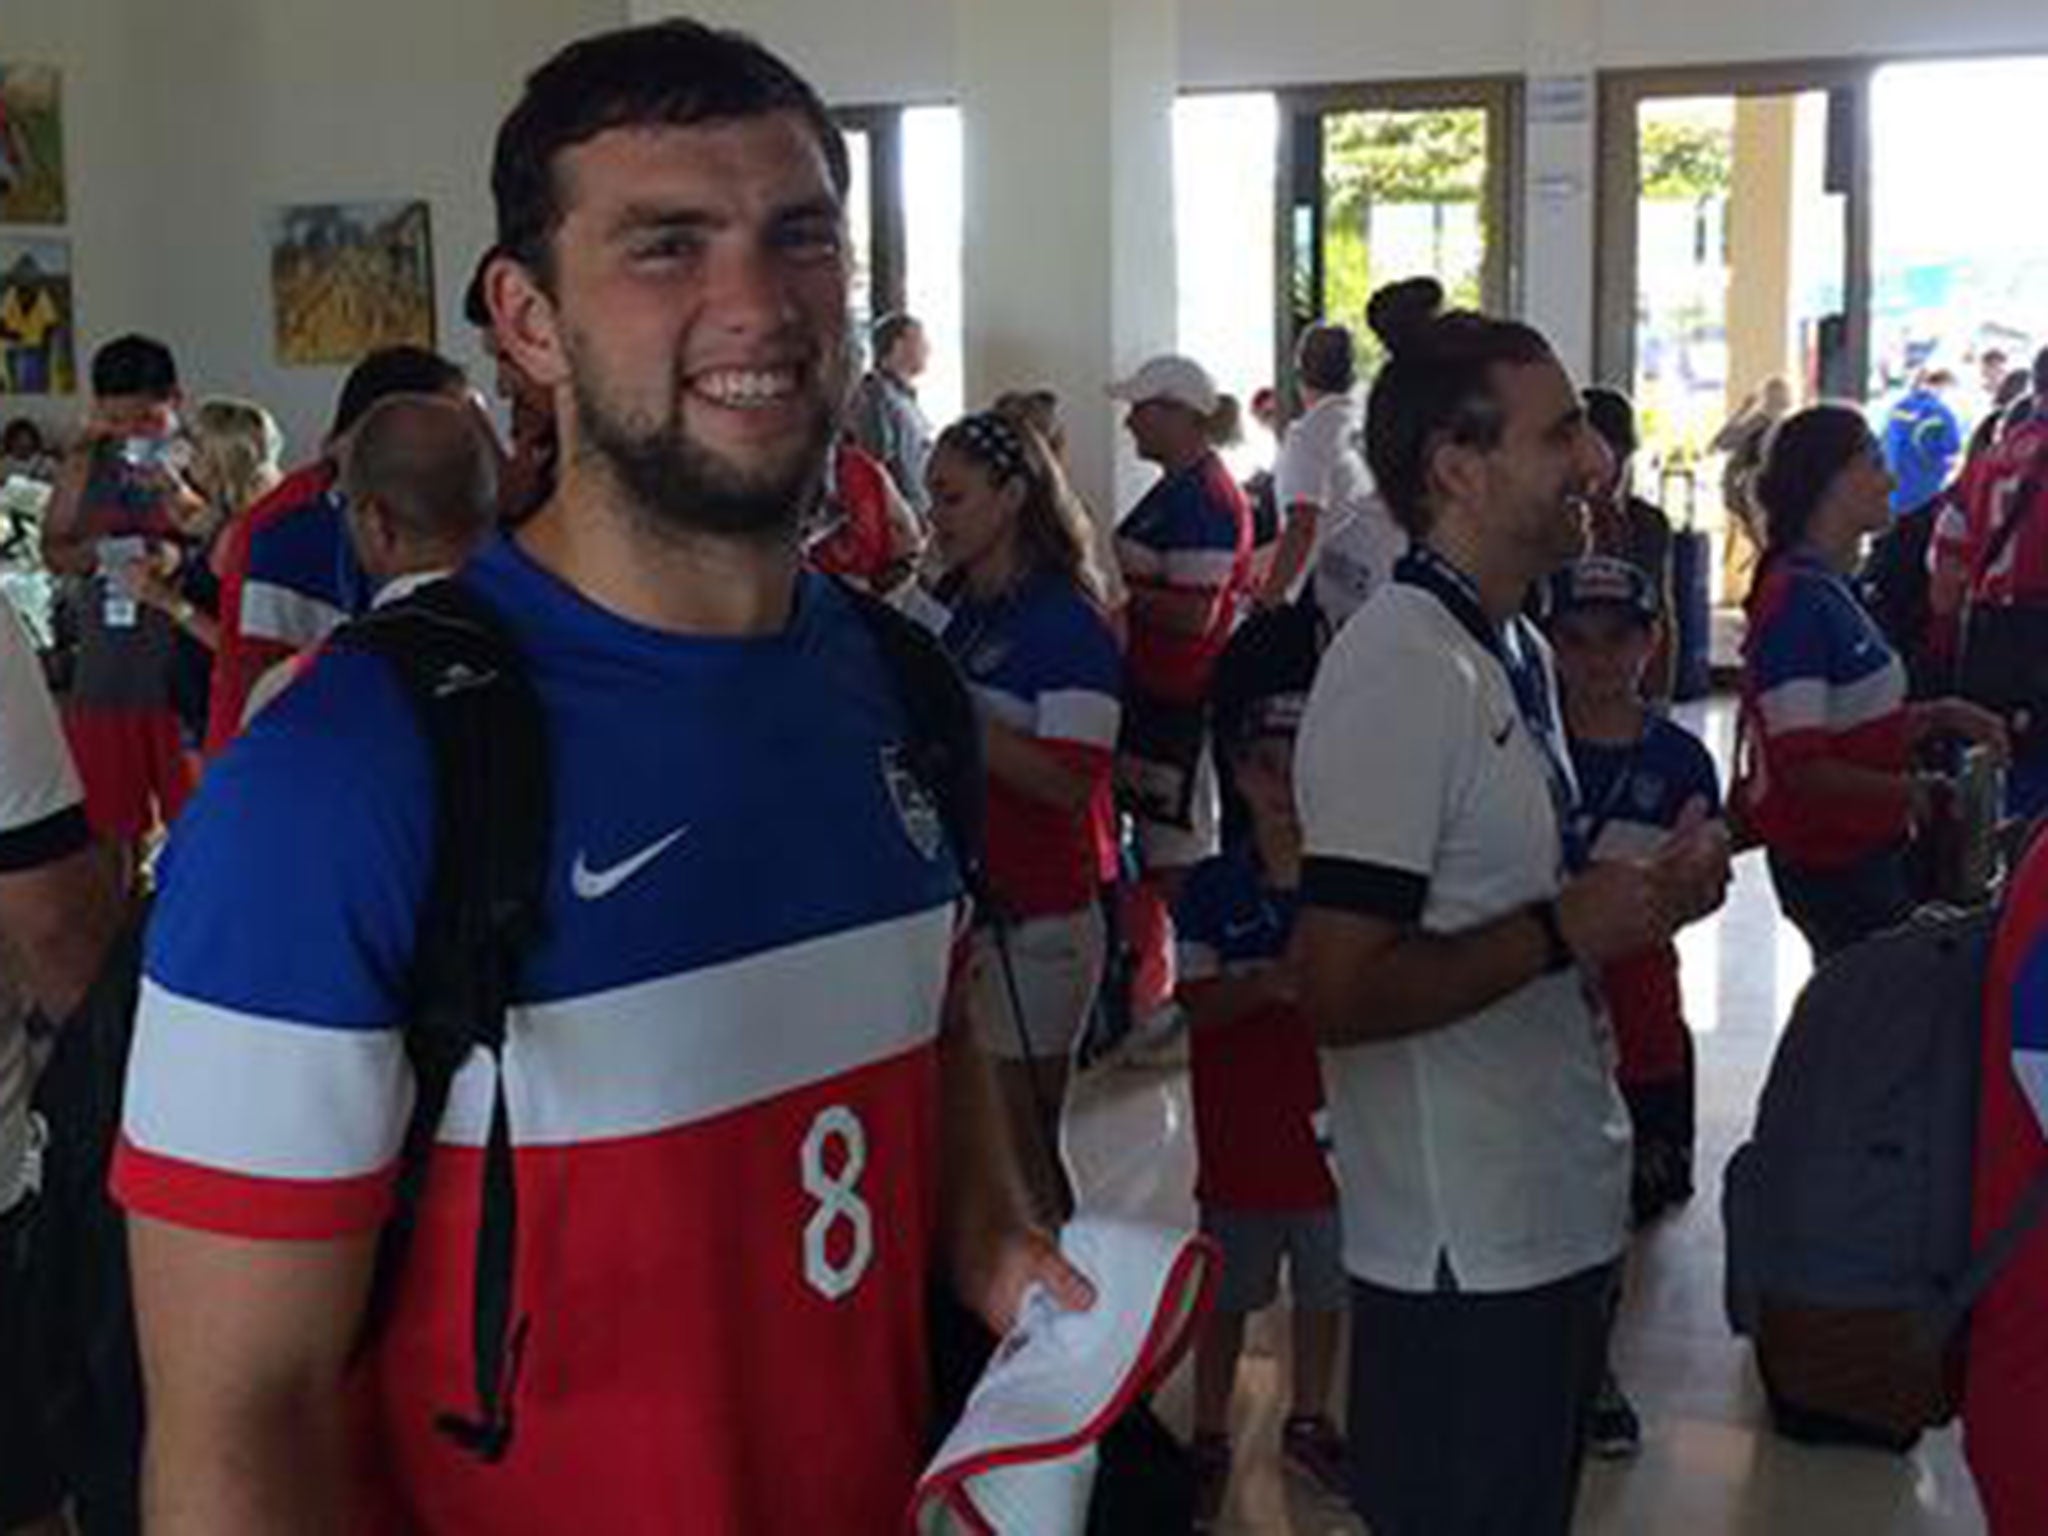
x: 190, y: 121
x: 108, y: 276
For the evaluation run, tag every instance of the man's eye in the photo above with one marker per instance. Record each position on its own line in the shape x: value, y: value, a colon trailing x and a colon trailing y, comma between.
x: 812, y: 241
x: 668, y: 247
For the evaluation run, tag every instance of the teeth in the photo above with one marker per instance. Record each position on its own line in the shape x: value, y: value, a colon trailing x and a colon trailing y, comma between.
x: 747, y: 388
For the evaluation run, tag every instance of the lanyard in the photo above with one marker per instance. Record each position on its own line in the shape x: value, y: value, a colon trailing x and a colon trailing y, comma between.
x: 1513, y: 647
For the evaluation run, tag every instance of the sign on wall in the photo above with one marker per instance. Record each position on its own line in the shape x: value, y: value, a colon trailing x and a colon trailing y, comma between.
x: 348, y: 278
x: 36, y: 318
x: 31, y: 145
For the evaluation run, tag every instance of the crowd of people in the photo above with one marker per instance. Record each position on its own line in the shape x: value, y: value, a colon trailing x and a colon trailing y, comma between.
x: 1375, y: 798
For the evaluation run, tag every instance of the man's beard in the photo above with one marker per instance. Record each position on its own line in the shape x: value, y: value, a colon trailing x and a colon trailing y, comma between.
x: 678, y: 485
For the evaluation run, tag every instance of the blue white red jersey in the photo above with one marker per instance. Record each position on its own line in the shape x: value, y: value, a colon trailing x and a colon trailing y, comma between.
x: 721, y: 1069
x: 1043, y: 661
x: 1820, y: 681
x: 287, y: 599
x: 2005, y: 1431
x: 1190, y: 534
x: 304, y: 579
x: 1258, y: 1089
x: 1630, y: 798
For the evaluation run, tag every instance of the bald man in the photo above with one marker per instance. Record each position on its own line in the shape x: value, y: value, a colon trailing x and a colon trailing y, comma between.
x: 420, y: 474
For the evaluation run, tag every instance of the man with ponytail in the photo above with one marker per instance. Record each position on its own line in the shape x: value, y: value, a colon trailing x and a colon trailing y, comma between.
x: 1448, y: 941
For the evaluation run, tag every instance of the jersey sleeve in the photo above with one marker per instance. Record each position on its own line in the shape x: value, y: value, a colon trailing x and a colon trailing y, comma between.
x: 268, y: 1089
x: 1381, y: 751
x: 1080, y: 684
x: 42, y: 818
x: 1694, y: 777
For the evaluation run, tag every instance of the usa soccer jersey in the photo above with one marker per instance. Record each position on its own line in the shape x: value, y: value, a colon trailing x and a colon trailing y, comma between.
x: 290, y: 579
x: 1631, y: 796
x: 1191, y: 534
x: 1257, y: 1088
x: 1820, y: 682
x: 721, y: 1070
x: 2005, y: 1430
x: 1043, y: 661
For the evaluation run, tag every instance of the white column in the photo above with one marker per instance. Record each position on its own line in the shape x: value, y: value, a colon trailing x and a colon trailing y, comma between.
x: 1560, y: 172
x: 1068, y: 119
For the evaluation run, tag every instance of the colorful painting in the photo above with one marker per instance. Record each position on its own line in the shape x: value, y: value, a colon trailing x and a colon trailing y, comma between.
x: 349, y: 278
x: 36, y: 325
x: 31, y: 145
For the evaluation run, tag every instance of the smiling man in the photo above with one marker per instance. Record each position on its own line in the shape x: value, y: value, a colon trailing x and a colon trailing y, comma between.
x: 745, y: 1130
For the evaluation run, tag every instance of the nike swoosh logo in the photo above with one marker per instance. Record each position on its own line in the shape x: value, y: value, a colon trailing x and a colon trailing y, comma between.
x: 1500, y: 737
x: 596, y: 884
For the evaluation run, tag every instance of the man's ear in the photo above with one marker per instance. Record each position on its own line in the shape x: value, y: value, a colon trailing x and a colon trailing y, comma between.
x: 526, y: 323
x: 1456, y: 473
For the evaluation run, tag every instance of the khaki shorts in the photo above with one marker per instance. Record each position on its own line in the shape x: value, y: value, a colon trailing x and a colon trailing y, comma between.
x: 1057, y: 966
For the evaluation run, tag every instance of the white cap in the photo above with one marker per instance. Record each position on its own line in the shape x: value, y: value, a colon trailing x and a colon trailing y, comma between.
x: 1171, y: 377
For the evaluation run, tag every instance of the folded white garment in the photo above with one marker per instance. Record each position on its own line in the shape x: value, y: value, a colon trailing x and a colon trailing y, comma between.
x: 1022, y: 1458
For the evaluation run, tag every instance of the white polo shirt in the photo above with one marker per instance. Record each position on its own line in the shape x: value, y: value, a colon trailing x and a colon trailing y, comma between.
x: 41, y: 820
x: 1357, y: 540
x: 1499, y: 1144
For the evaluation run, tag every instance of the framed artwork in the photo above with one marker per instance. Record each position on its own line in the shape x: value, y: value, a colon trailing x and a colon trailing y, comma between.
x: 31, y: 145
x: 37, y: 326
x: 348, y: 278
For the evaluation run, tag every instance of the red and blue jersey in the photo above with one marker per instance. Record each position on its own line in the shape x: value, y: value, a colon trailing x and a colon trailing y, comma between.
x: 1191, y: 534
x: 1820, y: 681
x: 1258, y: 1089
x: 1043, y: 661
x: 721, y: 1069
x: 1630, y: 799
x: 289, y: 578
x: 2005, y: 1429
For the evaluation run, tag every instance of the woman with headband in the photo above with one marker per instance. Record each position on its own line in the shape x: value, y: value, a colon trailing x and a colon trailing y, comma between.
x: 1027, y: 627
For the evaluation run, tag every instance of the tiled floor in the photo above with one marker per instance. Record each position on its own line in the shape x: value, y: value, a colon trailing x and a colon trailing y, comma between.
x: 1709, y: 1467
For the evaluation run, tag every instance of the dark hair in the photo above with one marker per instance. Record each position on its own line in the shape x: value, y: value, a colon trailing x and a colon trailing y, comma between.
x: 2040, y: 372
x: 1613, y: 415
x: 21, y: 437
x: 675, y: 74
x: 887, y: 331
x: 1272, y: 656
x: 135, y: 365
x: 1052, y: 524
x: 1038, y: 409
x: 1803, y: 455
x: 401, y: 370
x: 1436, y: 386
x: 1326, y: 357
x: 476, y: 299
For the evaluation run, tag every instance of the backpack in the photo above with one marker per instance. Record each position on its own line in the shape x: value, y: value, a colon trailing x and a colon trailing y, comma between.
x: 1848, y: 1212
x: 487, y: 738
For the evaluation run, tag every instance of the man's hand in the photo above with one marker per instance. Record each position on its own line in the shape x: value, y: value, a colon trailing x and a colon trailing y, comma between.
x: 1691, y: 870
x: 1613, y: 910
x: 995, y: 1276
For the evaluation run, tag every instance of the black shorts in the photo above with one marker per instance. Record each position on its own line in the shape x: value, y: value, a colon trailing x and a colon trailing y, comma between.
x: 30, y: 1488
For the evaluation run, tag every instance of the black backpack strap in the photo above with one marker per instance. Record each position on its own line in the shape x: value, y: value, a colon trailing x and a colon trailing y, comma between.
x: 1999, y: 1250
x: 482, y: 722
x: 945, y: 746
